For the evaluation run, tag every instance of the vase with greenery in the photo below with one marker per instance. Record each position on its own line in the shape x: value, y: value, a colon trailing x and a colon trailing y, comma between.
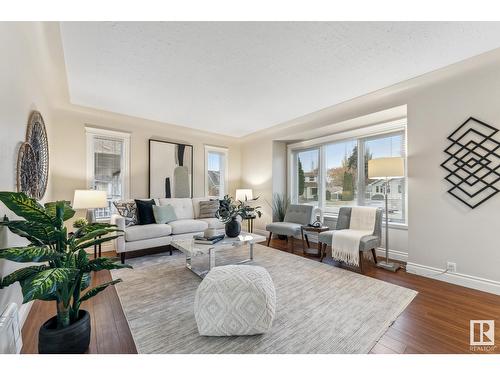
x: 229, y: 211
x: 279, y: 207
x: 63, y: 270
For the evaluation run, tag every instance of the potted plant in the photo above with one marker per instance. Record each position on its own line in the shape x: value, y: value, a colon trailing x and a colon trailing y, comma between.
x: 229, y: 211
x: 63, y: 273
x: 279, y: 207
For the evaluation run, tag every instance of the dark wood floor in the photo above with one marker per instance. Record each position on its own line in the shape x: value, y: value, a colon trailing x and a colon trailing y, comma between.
x: 437, y: 321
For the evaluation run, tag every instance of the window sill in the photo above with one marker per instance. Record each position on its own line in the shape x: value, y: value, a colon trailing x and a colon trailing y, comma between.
x: 399, y: 226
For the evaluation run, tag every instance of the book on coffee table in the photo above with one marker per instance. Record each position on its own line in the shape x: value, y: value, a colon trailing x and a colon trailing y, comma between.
x: 208, y: 241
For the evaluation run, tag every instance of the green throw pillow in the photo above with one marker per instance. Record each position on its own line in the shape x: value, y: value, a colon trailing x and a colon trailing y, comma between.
x: 164, y: 214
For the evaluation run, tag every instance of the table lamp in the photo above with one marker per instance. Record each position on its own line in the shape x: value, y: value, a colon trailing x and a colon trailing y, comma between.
x: 244, y: 195
x: 386, y: 168
x: 89, y: 200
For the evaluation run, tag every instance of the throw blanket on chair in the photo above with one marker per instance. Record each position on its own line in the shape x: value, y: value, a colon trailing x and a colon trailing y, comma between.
x: 345, y: 242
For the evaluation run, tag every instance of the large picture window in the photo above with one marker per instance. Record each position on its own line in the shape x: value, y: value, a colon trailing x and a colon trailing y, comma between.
x: 107, y: 166
x: 335, y: 174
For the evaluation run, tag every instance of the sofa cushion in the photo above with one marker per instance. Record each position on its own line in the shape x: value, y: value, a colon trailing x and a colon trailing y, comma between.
x: 183, y: 207
x: 145, y: 211
x: 187, y: 226
x: 208, y: 209
x: 144, y: 232
x: 164, y: 214
x: 213, y: 223
x: 127, y: 209
x: 196, y: 204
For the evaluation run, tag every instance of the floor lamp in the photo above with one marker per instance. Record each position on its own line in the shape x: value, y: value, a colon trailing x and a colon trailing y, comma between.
x: 386, y: 168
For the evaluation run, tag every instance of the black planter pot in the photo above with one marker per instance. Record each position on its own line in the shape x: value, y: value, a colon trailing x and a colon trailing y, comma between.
x: 74, y: 339
x: 233, y: 228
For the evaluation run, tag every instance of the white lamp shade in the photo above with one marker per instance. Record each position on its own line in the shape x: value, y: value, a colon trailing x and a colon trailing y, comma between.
x: 386, y: 168
x: 244, y: 194
x: 85, y: 199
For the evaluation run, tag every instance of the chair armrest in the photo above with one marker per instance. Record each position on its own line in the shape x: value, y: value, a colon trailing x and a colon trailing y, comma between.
x: 119, y: 221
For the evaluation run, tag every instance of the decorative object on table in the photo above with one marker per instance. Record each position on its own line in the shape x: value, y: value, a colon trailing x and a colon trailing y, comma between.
x: 170, y: 169
x: 386, y: 168
x: 63, y: 273
x: 245, y: 196
x: 230, y: 213
x: 254, y: 309
x: 311, y: 228
x: 33, y: 159
x: 318, y: 217
x: 90, y: 200
x: 145, y: 213
x: 208, y: 240
x: 296, y: 216
x: 210, y: 232
x: 473, y: 162
x: 279, y: 206
x: 127, y: 209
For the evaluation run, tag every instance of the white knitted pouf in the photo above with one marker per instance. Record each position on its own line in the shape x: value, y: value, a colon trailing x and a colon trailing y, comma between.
x: 235, y: 300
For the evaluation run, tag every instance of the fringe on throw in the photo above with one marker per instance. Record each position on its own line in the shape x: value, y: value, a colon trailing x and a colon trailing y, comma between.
x: 351, y: 258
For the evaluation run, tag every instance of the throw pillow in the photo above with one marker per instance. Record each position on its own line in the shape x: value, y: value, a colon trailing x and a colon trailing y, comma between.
x: 208, y: 209
x: 164, y: 214
x: 127, y: 209
x: 145, y: 211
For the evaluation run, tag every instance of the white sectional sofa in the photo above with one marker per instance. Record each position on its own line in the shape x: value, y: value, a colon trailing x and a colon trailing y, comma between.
x: 188, y: 223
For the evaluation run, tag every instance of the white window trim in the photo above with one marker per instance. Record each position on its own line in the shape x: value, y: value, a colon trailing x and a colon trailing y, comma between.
x: 376, y: 130
x: 90, y: 133
x: 225, y: 152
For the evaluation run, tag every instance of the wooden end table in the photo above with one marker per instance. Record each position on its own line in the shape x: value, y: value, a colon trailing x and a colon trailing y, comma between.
x: 304, y: 229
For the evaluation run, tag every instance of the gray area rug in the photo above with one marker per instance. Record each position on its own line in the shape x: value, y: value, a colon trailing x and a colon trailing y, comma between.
x: 320, y: 308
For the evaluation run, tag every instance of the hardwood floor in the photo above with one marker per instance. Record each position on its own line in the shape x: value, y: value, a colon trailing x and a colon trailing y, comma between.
x: 437, y: 321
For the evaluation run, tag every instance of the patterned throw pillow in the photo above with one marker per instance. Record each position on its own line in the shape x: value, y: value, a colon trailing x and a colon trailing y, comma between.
x: 127, y: 209
x: 208, y: 209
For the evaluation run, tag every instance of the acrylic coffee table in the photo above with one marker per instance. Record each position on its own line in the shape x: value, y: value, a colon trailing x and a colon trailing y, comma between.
x: 192, y: 249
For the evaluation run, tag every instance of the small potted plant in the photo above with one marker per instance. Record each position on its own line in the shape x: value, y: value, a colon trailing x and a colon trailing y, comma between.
x: 229, y: 212
x: 279, y: 207
x: 63, y: 273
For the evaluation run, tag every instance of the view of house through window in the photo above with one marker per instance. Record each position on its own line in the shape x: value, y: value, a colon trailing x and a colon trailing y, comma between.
x: 107, y: 166
x: 215, y: 171
x: 343, y: 167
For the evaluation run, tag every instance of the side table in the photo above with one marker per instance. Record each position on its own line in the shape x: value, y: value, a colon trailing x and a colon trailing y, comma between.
x: 304, y: 229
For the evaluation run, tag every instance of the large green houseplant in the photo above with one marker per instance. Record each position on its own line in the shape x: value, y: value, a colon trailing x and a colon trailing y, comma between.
x: 64, y: 271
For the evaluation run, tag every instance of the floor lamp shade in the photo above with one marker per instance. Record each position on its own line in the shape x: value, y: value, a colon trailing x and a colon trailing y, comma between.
x: 87, y: 199
x: 244, y: 195
x: 386, y: 168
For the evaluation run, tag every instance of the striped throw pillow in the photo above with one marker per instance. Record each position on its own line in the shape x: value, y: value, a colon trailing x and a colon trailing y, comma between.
x: 208, y: 209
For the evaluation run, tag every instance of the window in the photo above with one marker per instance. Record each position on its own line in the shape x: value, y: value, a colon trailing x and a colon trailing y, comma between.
x: 307, y: 169
x: 216, y: 171
x: 335, y: 174
x: 107, y: 166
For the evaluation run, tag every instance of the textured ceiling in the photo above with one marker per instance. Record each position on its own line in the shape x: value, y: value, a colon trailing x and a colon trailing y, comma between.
x: 236, y: 78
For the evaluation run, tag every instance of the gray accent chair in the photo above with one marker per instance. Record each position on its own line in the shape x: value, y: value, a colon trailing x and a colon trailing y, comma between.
x: 296, y: 215
x: 367, y: 243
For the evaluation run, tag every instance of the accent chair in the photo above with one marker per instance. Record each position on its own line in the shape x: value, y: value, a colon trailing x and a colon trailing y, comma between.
x: 368, y: 243
x: 296, y: 215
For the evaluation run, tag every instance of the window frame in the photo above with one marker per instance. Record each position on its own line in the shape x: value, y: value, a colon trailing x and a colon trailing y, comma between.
x: 360, y: 136
x: 91, y: 133
x: 225, y: 152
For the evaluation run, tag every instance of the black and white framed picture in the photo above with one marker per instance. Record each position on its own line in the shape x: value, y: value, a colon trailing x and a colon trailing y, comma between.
x: 170, y: 169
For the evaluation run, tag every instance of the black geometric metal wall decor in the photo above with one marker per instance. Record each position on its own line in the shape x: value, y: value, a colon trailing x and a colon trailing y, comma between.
x: 473, y: 162
x: 33, y: 159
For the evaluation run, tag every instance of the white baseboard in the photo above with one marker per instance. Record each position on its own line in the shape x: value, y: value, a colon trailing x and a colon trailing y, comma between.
x: 393, y: 254
x: 468, y: 281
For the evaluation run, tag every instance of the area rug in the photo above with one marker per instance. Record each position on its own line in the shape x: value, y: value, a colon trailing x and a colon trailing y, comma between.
x: 320, y: 308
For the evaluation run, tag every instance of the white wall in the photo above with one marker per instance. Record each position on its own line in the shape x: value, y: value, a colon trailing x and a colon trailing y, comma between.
x: 440, y: 229
x: 25, y: 87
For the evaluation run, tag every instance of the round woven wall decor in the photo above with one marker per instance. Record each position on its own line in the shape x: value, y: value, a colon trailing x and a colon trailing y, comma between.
x: 33, y: 160
x: 27, y: 174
